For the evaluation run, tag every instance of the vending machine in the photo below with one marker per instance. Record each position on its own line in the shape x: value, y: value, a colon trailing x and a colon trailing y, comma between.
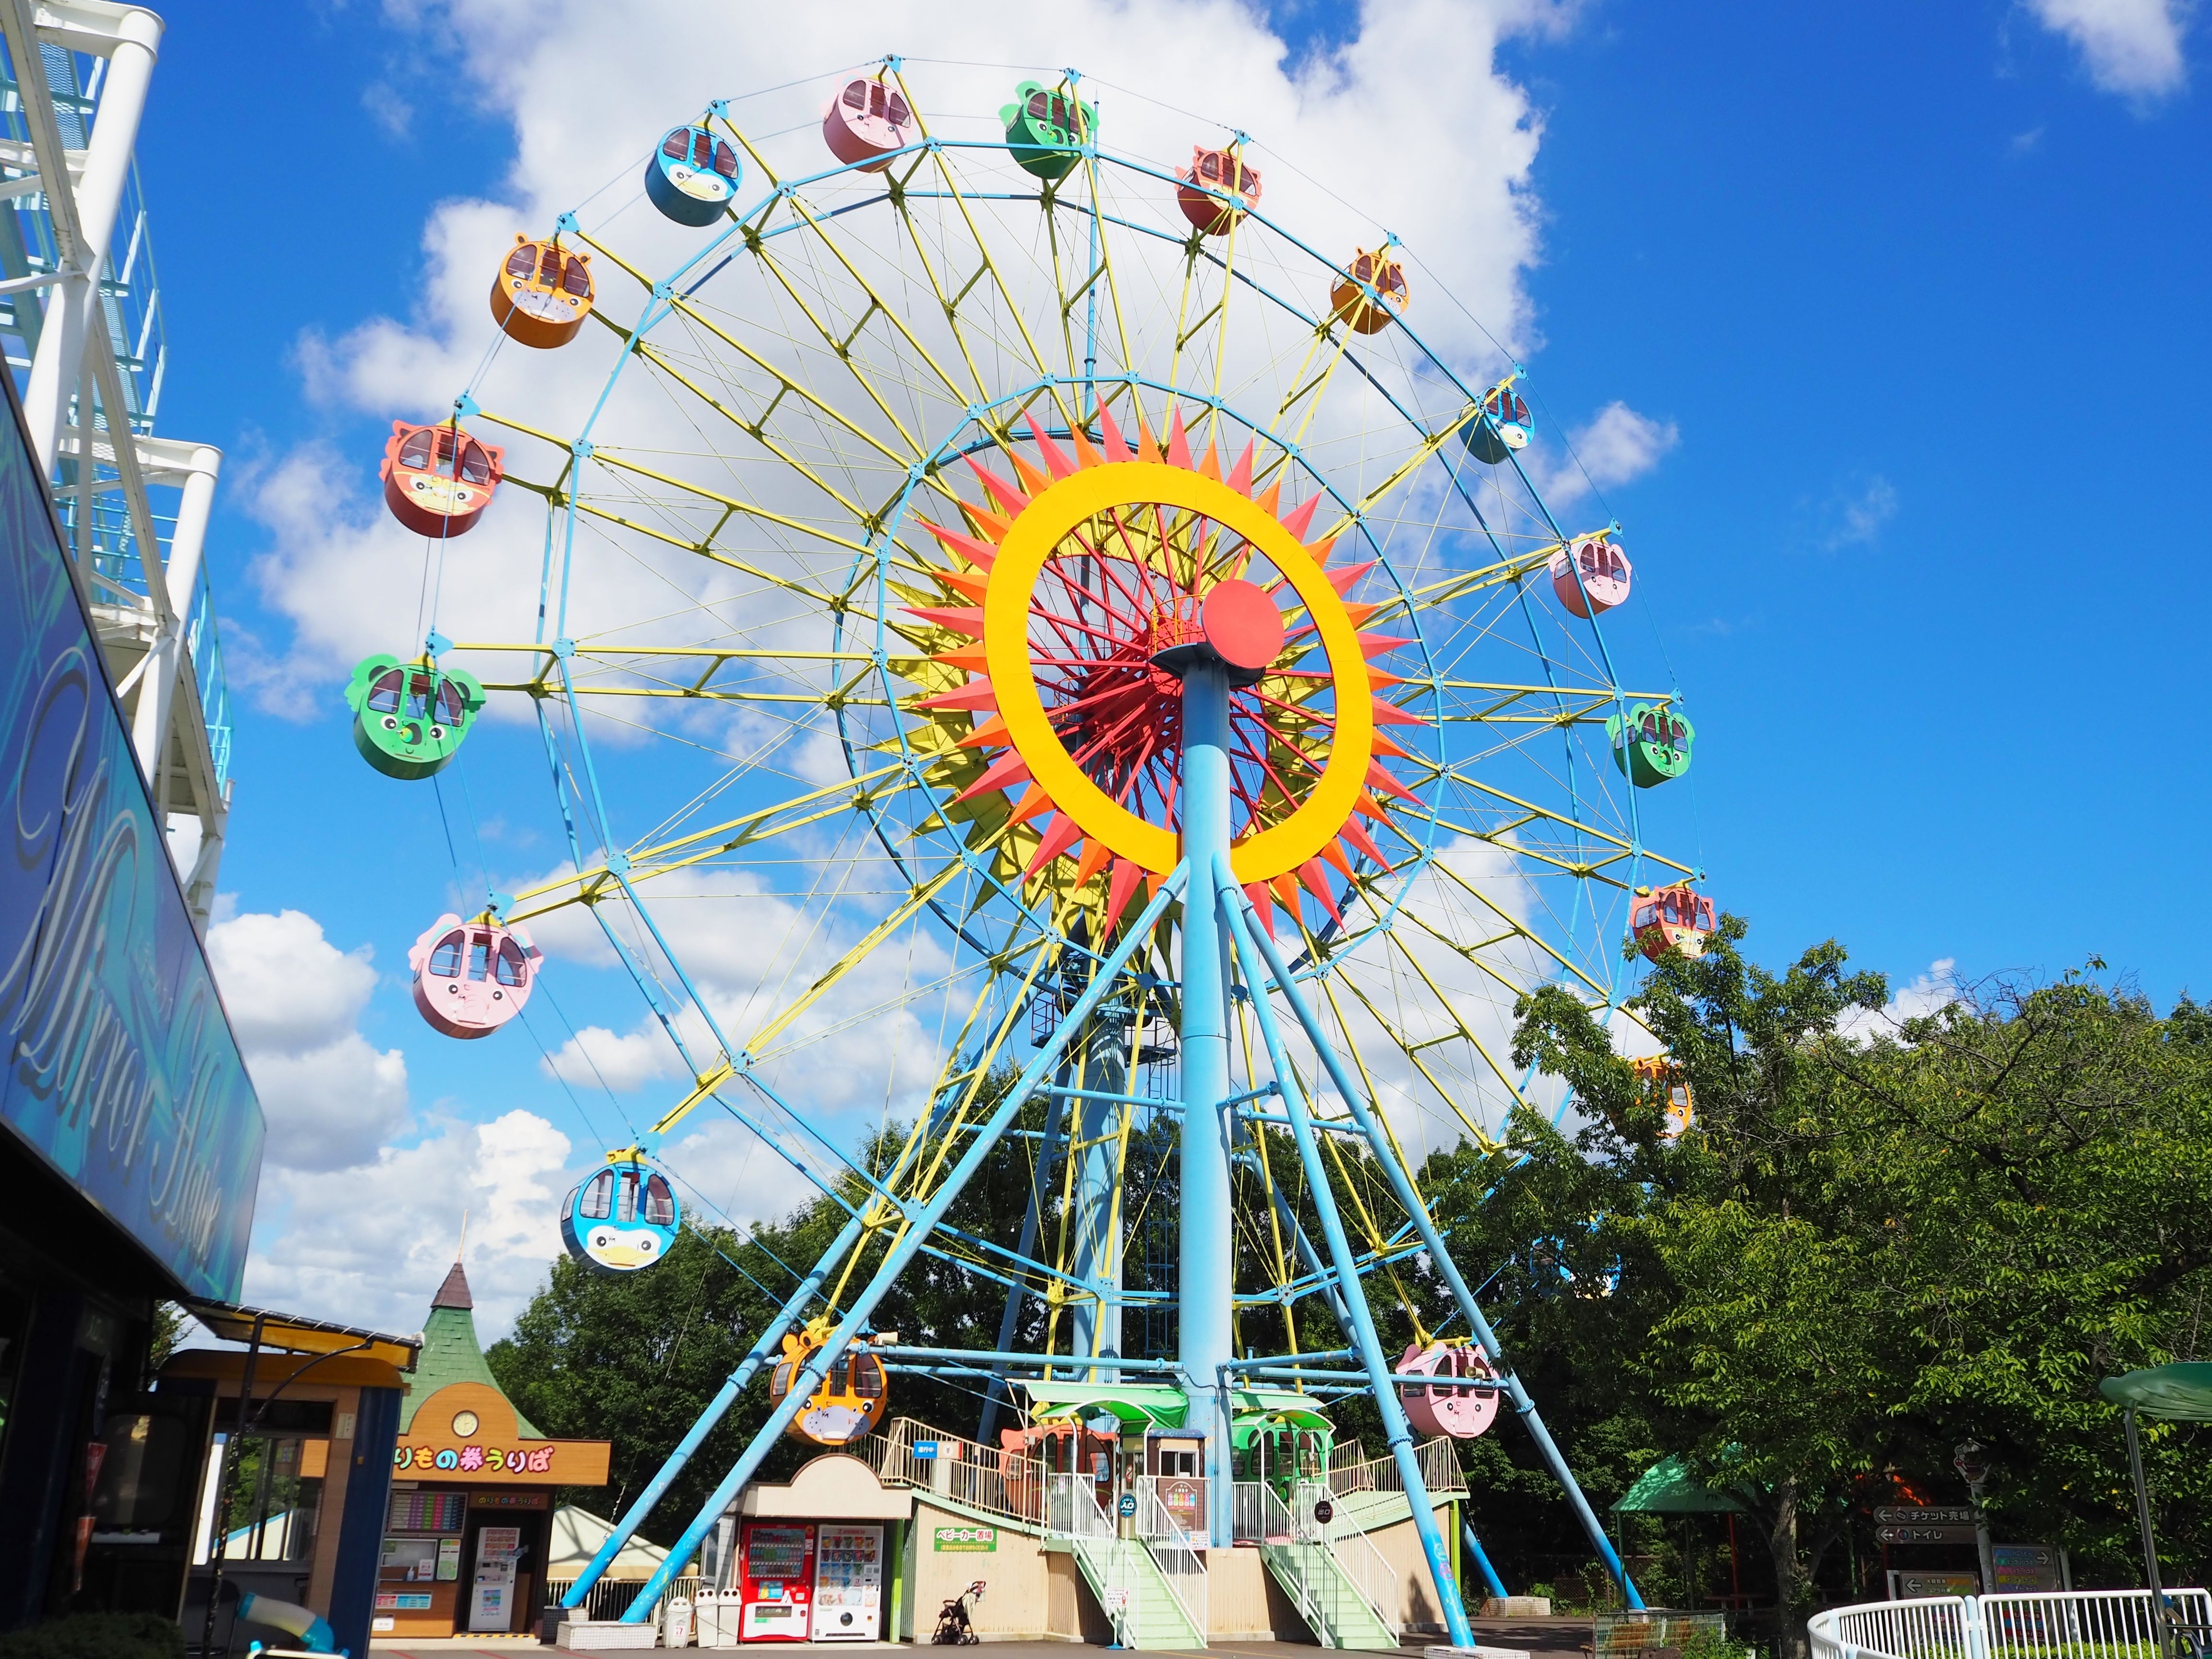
x: 848, y: 1584
x: 491, y: 1598
x: 776, y: 1578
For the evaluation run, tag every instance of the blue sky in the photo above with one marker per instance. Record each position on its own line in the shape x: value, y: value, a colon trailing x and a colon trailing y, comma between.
x: 1918, y: 291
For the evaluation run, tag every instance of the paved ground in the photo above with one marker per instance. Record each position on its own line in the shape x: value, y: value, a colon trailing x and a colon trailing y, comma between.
x: 1558, y: 1637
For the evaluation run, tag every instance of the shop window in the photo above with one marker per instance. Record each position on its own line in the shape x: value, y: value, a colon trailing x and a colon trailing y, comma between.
x: 275, y: 1506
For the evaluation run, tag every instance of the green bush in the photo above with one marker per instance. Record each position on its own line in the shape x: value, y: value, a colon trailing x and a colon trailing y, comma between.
x: 97, y: 1635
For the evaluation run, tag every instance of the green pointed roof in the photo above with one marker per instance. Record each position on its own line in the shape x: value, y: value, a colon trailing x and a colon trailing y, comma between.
x: 450, y: 1352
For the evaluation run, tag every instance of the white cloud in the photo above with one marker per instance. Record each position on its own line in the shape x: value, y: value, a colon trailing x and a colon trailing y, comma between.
x: 2132, y: 47
x: 1616, y: 448
x: 332, y: 1097
x: 335, y: 547
x: 1930, y: 992
x: 1860, y: 515
x: 369, y: 1245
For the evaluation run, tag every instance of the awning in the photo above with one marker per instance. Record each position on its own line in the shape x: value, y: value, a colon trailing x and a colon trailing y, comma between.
x: 1245, y: 1405
x: 2181, y: 1391
x: 1136, y: 1403
x: 289, y: 1333
x: 1669, y: 1488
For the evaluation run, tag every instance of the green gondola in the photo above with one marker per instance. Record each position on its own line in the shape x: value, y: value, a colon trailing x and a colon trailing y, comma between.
x: 1288, y: 1448
x: 1047, y: 129
x: 1658, y: 747
x: 409, y: 718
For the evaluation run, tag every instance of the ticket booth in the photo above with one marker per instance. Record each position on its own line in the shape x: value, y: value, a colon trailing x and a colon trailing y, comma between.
x: 468, y: 1533
x: 1174, y: 1464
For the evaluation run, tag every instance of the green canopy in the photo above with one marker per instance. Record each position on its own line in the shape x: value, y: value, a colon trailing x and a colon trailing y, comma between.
x: 1136, y: 1403
x: 1301, y: 1409
x: 1669, y: 1488
x: 2182, y: 1391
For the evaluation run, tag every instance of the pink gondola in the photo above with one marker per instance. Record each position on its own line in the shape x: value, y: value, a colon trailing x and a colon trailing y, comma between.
x: 471, y: 978
x: 1604, y: 572
x: 1217, y: 190
x: 1462, y: 1413
x: 867, y: 123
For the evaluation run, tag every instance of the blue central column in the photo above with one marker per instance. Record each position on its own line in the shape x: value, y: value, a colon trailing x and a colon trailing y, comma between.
x: 1204, y: 1340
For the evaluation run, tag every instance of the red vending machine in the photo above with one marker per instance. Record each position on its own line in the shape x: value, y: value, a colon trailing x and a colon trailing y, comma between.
x: 776, y: 1577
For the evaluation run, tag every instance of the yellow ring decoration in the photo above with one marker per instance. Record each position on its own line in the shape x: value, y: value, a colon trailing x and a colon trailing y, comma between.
x: 1031, y: 540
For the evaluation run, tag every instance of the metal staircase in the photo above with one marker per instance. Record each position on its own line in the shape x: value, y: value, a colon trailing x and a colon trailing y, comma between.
x: 1335, y: 1577
x: 1147, y: 1610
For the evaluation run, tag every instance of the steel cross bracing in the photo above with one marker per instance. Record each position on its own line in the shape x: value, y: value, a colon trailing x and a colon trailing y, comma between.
x: 1227, y: 960
x: 857, y: 537
x: 80, y: 323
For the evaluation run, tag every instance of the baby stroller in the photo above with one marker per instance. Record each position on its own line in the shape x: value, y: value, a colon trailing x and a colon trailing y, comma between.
x: 953, y: 1630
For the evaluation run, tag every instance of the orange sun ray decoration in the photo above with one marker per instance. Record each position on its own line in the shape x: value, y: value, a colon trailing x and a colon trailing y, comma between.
x: 1048, y: 708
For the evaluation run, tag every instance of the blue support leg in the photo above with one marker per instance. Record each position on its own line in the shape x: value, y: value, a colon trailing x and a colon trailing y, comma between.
x: 1395, y: 1429
x: 918, y: 1225
x: 1204, y: 1333
x: 809, y: 1288
x: 1482, y: 1560
x: 1401, y: 1183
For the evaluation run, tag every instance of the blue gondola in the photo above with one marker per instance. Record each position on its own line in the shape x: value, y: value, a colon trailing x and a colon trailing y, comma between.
x: 692, y: 177
x: 623, y: 1217
x: 1503, y: 427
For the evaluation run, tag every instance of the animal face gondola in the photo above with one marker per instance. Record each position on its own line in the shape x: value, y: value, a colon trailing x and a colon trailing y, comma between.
x: 1371, y: 294
x: 409, y: 719
x: 851, y: 1400
x: 471, y: 978
x: 1217, y: 190
x: 1503, y: 427
x: 692, y: 177
x: 1593, y: 577
x: 542, y: 294
x: 1675, y: 918
x: 1462, y: 1411
x: 867, y: 123
x: 1046, y: 130
x: 622, y: 1219
x: 1661, y: 1076
x: 1652, y: 745
x: 438, y: 479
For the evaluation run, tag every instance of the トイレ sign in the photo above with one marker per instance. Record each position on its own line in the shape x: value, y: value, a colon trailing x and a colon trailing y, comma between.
x: 975, y: 1541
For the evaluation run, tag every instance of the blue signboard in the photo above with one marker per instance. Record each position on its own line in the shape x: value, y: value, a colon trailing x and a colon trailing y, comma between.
x: 121, y: 1070
x: 924, y: 1449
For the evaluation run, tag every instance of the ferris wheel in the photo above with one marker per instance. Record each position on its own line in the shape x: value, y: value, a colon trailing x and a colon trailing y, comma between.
x: 1072, y: 629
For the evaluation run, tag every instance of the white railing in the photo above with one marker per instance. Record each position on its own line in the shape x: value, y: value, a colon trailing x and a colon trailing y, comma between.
x: 1371, y: 1576
x: 2059, y: 1624
x: 1180, y: 1561
x: 982, y: 1477
x: 1263, y: 1519
x: 1439, y: 1465
x: 1072, y: 1511
x: 610, y: 1598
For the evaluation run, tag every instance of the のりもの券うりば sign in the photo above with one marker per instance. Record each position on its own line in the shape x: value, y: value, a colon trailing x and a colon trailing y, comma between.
x: 567, y: 1462
x: 975, y: 1540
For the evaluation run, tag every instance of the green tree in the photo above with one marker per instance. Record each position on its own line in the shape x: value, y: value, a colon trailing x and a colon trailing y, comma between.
x: 1878, y: 1239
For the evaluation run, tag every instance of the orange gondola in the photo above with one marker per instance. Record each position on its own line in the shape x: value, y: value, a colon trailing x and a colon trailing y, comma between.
x: 852, y: 1398
x: 1658, y: 1073
x: 542, y: 294
x: 1371, y: 293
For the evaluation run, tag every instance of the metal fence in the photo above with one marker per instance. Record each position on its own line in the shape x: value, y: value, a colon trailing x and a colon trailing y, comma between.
x: 981, y: 1477
x: 1177, y: 1554
x: 611, y: 1598
x: 2057, y: 1625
